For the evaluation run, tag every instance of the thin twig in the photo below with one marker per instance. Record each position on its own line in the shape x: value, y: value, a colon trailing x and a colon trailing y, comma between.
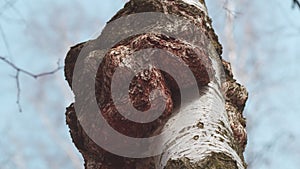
x: 230, y: 11
x: 7, y: 5
x: 35, y: 76
x: 5, y: 41
x: 18, y: 90
x: 295, y: 3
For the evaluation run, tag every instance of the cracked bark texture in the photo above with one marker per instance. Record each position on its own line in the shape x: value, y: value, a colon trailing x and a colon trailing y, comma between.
x: 235, y: 95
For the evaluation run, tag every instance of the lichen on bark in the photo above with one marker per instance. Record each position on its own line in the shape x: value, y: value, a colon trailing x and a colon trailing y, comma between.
x: 214, y: 161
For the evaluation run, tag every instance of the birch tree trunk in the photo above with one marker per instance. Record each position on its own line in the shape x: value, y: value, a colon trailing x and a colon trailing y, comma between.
x: 160, y: 59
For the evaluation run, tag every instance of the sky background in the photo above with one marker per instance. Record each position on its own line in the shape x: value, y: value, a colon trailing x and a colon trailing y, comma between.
x: 35, y: 35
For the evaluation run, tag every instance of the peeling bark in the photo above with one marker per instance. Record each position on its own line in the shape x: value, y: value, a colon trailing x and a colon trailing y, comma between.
x: 208, y: 130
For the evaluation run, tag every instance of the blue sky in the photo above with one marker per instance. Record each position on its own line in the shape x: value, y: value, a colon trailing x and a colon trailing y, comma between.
x: 36, y: 34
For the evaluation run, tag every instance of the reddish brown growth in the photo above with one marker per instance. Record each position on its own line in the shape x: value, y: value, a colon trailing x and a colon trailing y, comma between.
x: 140, y: 88
x: 149, y: 79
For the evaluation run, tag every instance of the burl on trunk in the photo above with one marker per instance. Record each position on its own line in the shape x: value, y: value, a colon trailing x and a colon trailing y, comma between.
x: 153, y: 92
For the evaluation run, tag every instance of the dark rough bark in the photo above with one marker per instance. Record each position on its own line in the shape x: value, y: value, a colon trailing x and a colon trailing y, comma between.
x: 197, y: 58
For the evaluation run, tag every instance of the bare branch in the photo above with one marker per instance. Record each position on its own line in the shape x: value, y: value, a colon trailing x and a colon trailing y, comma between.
x: 7, y: 5
x: 230, y: 9
x: 33, y: 75
x: 296, y: 2
x: 18, y: 90
x: 5, y: 41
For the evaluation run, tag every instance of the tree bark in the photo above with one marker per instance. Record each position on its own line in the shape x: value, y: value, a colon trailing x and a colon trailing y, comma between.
x: 205, y: 129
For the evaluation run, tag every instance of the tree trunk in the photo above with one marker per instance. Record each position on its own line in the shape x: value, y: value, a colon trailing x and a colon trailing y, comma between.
x: 153, y: 92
